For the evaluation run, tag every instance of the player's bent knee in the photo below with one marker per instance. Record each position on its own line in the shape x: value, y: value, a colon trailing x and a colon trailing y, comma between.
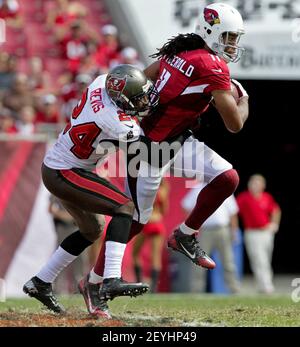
x: 127, y: 208
x: 232, y: 180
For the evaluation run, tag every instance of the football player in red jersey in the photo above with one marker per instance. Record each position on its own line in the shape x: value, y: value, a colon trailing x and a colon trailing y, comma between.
x: 190, y: 72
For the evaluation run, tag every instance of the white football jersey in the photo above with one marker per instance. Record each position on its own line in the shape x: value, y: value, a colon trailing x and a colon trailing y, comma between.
x: 95, y: 119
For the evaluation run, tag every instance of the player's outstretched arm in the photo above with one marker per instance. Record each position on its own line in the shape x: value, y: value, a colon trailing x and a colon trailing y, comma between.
x: 233, y: 114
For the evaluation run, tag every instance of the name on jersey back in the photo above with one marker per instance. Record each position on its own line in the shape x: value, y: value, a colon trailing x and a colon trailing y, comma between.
x: 96, y: 100
x: 181, y: 65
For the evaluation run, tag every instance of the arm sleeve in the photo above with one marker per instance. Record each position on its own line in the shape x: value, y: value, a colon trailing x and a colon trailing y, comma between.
x: 214, y: 73
x: 217, y: 81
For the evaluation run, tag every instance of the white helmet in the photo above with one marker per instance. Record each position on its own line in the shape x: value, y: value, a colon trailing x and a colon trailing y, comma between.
x: 215, y: 24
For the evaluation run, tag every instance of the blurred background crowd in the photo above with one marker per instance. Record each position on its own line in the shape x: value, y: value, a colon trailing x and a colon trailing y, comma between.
x: 53, y: 50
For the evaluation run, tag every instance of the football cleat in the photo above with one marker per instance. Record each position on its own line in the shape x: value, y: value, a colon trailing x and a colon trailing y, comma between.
x: 90, y: 292
x: 42, y: 291
x: 190, y: 247
x: 113, y: 287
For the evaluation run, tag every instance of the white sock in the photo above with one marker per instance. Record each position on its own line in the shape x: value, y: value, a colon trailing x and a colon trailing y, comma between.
x: 58, y: 261
x: 113, y: 259
x: 187, y: 230
x: 94, y: 278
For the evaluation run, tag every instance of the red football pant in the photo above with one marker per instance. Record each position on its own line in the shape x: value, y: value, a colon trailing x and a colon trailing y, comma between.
x: 211, y: 197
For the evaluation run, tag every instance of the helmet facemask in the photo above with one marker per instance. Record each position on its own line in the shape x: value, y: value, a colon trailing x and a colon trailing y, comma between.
x: 142, y: 104
x: 228, y: 47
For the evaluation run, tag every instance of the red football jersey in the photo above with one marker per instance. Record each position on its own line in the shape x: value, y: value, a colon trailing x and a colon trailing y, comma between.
x: 185, y: 84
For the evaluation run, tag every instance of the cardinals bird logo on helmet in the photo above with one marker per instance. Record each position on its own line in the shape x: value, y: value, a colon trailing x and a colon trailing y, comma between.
x: 211, y: 16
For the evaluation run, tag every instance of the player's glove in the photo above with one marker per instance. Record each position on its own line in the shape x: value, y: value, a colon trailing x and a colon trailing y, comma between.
x: 241, y: 90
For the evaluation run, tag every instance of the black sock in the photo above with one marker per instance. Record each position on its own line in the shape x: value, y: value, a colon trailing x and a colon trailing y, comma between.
x: 75, y: 243
x: 154, y: 280
x: 119, y: 227
x: 138, y: 273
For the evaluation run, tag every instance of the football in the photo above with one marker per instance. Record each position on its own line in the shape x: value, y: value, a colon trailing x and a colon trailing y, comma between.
x: 234, y: 92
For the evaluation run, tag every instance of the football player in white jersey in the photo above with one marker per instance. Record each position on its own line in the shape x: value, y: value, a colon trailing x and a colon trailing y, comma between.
x: 106, y: 112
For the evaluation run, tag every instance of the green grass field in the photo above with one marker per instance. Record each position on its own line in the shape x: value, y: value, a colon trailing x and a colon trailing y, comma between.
x: 163, y: 310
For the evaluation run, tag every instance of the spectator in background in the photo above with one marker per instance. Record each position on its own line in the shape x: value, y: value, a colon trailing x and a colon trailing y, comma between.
x: 38, y: 78
x: 154, y: 231
x: 82, y: 81
x: 260, y: 215
x: 58, y: 14
x: 47, y: 110
x: 108, y: 49
x: 9, y: 10
x: 71, y: 94
x: 25, y: 124
x: 7, y: 122
x: 63, y: 14
x: 74, y: 47
x: 217, y: 233
x: 88, y: 66
x: 128, y: 55
x: 19, y: 95
x: 8, y: 71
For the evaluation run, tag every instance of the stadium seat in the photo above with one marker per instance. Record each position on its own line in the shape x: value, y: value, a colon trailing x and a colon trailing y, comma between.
x: 55, y: 65
x: 15, y: 42
x: 32, y: 10
x: 38, y: 42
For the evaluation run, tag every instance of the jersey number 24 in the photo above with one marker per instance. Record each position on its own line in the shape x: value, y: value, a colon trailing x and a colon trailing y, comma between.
x: 82, y: 135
